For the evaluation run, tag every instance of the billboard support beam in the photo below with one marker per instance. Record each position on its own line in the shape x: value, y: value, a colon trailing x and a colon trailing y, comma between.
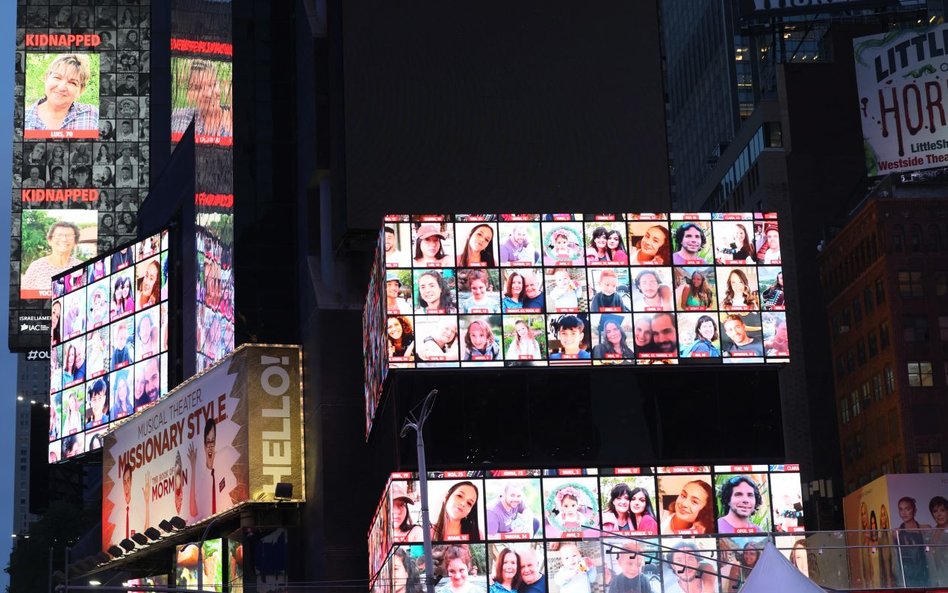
x: 418, y: 425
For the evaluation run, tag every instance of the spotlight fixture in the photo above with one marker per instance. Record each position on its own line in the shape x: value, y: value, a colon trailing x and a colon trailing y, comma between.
x: 166, y: 526
x: 116, y: 551
x: 140, y: 538
x: 283, y: 490
x: 153, y: 534
x: 128, y: 544
x: 178, y: 522
x: 102, y: 558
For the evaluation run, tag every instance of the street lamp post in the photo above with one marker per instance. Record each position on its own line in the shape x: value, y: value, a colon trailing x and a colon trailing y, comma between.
x: 200, y: 566
x: 418, y: 425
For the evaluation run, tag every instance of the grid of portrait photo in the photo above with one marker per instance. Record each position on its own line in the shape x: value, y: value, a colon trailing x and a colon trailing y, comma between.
x: 476, y: 290
x: 586, y: 529
x: 108, y: 343
x: 81, y: 132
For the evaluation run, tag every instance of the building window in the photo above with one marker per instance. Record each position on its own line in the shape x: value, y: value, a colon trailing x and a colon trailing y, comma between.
x: 943, y: 327
x: 884, y: 335
x: 861, y: 352
x: 844, y: 410
x: 897, y: 464
x: 851, y: 360
x: 941, y: 283
x: 929, y: 463
x: 920, y: 373
x: 854, y: 402
x: 910, y: 284
x: 857, y: 310
x: 880, y: 291
x: 840, y: 368
x: 889, y: 380
x: 773, y: 135
x: 867, y: 299
x: 873, y: 343
x: 915, y: 328
x: 893, y: 427
x: 876, y: 387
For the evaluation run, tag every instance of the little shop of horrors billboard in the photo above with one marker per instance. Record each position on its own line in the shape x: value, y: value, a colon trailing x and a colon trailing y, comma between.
x: 222, y: 439
x: 901, y: 77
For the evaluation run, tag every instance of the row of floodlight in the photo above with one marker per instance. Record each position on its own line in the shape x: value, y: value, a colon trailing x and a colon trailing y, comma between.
x: 144, y: 538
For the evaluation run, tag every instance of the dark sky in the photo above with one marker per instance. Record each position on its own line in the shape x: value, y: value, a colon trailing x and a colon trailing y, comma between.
x: 7, y: 360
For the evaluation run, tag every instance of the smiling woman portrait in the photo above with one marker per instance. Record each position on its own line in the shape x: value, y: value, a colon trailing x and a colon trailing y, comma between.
x: 65, y: 79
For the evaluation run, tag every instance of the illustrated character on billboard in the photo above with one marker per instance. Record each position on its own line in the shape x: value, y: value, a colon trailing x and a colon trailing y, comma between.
x: 741, y: 498
x: 62, y: 238
x: 210, y: 450
x: 65, y: 79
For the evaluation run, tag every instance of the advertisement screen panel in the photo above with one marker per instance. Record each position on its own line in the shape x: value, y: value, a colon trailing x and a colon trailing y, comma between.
x: 576, y: 516
x: 901, y: 97
x: 80, y: 145
x: 210, y: 562
x: 62, y: 96
x: 910, y: 510
x: 514, y: 290
x: 108, y: 341
x: 224, y: 438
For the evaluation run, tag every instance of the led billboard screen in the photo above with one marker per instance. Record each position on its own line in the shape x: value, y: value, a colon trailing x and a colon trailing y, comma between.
x: 543, y: 514
x: 80, y: 146
x: 201, y: 92
x: 538, y: 290
x: 901, y: 99
x: 108, y: 343
x: 898, y: 523
x: 223, y: 438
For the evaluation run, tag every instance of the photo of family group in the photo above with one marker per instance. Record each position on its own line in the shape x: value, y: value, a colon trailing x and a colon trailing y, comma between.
x: 587, y: 530
x: 578, y: 289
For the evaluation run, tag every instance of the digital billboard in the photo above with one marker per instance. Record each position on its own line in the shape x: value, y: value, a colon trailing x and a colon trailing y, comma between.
x: 901, y: 100
x: 80, y: 146
x: 210, y: 562
x: 223, y: 438
x: 899, y: 522
x: 539, y: 290
x: 573, y: 524
x: 108, y: 343
x: 202, y: 93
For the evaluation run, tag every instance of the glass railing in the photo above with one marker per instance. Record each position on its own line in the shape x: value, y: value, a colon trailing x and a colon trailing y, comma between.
x: 836, y: 560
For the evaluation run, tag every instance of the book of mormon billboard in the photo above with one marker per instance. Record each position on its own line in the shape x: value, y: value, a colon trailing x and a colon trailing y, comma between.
x: 80, y: 145
x: 223, y: 438
x: 538, y: 290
